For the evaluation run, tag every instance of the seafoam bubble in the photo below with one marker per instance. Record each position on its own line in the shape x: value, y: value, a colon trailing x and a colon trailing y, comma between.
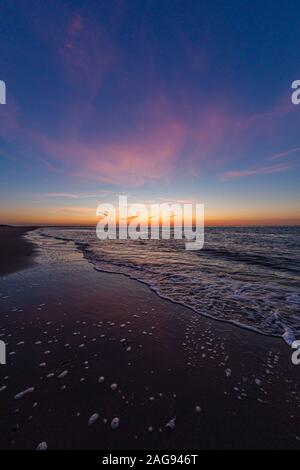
x: 62, y: 374
x: 115, y: 423
x: 25, y: 392
x: 93, y: 418
x: 42, y: 446
x: 171, y: 424
x: 288, y: 336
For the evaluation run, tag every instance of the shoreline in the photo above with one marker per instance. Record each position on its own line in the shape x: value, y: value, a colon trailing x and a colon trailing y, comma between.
x: 251, y: 329
x: 206, y: 315
x: 23, y: 258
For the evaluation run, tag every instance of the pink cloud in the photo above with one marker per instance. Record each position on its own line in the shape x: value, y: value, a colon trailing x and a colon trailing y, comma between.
x: 146, y: 152
x: 158, y: 141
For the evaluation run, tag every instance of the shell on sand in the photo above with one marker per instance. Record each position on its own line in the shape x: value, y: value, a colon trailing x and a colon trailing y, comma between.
x: 25, y: 392
x: 62, y: 374
x: 42, y: 446
x: 171, y: 424
x: 93, y: 418
x: 115, y: 423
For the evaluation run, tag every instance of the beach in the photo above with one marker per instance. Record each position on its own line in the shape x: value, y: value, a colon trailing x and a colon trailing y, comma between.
x: 97, y: 360
x: 15, y: 252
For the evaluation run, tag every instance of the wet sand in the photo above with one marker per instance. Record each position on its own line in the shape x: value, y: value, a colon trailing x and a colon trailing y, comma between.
x: 67, y: 325
x: 15, y: 252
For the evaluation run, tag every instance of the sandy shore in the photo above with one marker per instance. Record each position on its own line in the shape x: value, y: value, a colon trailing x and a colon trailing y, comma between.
x: 16, y: 253
x: 88, y: 347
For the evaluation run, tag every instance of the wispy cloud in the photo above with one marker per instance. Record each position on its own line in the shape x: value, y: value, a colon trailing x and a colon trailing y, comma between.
x: 265, y: 170
x: 287, y: 153
x: 57, y: 195
x: 148, y: 150
x: 87, y: 53
x: 174, y: 201
x: 75, y: 210
x: 84, y: 195
x: 268, y: 169
x: 153, y: 137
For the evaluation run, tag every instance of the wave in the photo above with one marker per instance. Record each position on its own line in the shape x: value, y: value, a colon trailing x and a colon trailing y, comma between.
x: 250, y: 280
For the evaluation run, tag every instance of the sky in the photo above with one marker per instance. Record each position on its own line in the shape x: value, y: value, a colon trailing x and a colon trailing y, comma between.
x: 158, y: 100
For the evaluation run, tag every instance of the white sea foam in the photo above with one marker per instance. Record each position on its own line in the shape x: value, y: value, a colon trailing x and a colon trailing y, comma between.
x: 62, y: 374
x: 247, y: 276
x: 25, y: 392
x: 42, y: 446
x: 93, y: 418
x: 115, y: 423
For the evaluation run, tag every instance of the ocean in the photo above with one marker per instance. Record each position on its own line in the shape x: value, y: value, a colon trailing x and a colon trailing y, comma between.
x: 249, y: 276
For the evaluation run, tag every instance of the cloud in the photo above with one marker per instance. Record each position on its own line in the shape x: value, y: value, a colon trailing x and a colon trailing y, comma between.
x: 174, y: 201
x: 284, y: 154
x: 102, y: 192
x: 57, y: 195
x: 75, y: 210
x: 87, y: 54
x: 158, y: 143
x: 153, y: 136
x: 266, y: 170
x: 147, y: 150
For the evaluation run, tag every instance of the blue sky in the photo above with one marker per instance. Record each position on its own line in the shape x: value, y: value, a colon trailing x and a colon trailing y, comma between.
x: 154, y: 99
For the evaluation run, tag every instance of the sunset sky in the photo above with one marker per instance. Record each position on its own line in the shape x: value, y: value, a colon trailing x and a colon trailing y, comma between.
x: 159, y: 100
